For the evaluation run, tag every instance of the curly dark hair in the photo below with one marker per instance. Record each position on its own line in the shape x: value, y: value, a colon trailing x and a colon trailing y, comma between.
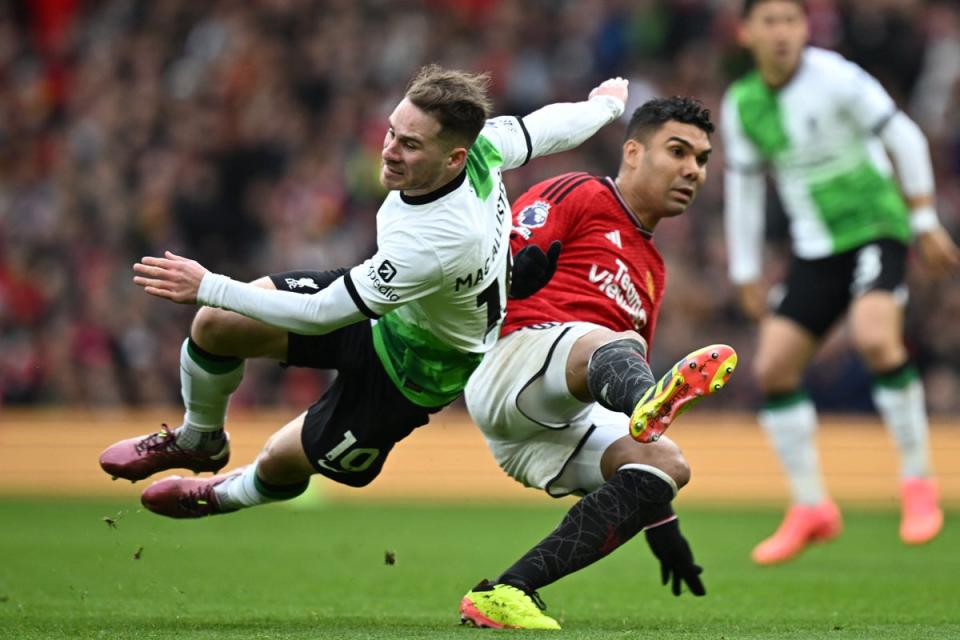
x: 653, y: 114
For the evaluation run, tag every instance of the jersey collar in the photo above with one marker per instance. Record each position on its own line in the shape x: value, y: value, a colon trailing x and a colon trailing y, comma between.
x: 611, y: 184
x: 427, y: 198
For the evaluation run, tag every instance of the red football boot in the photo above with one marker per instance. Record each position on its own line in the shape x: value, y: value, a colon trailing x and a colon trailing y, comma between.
x: 177, y: 497
x: 138, y: 458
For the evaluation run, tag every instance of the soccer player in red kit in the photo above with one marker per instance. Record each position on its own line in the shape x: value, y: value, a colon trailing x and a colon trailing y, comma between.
x: 570, y: 370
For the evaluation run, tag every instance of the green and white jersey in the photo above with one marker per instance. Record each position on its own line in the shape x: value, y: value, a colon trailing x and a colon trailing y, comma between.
x: 437, y: 286
x: 818, y: 136
x: 438, y: 281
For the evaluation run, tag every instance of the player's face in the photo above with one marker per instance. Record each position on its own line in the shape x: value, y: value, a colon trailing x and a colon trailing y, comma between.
x: 672, y: 168
x: 776, y: 33
x: 414, y: 158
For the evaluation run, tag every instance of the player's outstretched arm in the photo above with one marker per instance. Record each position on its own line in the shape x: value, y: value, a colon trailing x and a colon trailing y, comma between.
x: 186, y: 281
x: 564, y: 125
x: 172, y: 277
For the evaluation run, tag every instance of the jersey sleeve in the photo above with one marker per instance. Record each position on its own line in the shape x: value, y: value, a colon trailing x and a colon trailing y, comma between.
x: 404, y: 268
x: 741, y: 154
x: 910, y: 152
x: 510, y: 136
x: 550, y: 129
x: 564, y: 125
x: 315, y: 314
x: 863, y: 97
x: 744, y: 198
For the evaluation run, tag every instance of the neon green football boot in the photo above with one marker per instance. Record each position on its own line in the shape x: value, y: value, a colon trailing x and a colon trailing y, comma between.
x: 697, y: 375
x: 502, y: 606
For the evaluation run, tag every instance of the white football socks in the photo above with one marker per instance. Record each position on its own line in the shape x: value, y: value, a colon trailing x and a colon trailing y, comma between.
x: 904, y: 412
x: 240, y: 491
x: 206, y: 383
x: 245, y: 489
x: 792, y: 430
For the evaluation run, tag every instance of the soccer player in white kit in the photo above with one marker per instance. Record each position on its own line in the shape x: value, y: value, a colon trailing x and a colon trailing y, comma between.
x: 404, y: 329
x: 826, y: 131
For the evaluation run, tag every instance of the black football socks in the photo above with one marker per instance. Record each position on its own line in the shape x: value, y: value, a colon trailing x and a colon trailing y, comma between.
x: 618, y: 375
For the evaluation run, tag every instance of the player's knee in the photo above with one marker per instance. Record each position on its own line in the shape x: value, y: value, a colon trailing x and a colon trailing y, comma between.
x: 664, y: 454
x: 627, y: 335
x: 588, y: 344
x: 675, y: 465
x: 225, y: 333
x: 268, y: 460
x: 773, y: 376
x: 277, y: 466
x: 210, y: 330
x: 880, y: 353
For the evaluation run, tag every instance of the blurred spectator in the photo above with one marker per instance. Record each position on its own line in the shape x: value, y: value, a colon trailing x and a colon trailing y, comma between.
x: 246, y: 133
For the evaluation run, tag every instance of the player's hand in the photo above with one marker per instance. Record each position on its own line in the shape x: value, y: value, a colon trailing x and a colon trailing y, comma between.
x: 615, y: 87
x: 676, y: 559
x: 172, y: 277
x: 532, y: 269
x: 752, y: 299
x: 939, y: 251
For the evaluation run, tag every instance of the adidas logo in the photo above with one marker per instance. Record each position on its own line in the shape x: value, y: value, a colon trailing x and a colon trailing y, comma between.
x: 614, y: 237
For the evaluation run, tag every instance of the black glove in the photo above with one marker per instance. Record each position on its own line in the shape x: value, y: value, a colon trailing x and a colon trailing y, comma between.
x: 675, y: 558
x: 532, y: 269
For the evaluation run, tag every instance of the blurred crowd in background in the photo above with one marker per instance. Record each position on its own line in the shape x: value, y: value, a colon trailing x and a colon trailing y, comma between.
x: 246, y: 134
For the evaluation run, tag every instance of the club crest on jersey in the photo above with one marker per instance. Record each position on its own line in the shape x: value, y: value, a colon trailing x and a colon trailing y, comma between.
x: 534, y: 215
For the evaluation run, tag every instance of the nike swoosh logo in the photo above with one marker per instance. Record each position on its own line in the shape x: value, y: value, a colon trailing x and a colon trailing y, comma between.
x: 329, y: 468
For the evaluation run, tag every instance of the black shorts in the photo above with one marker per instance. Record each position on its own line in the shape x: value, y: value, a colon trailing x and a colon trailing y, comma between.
x: 818, y: 292
x: 348, y: 432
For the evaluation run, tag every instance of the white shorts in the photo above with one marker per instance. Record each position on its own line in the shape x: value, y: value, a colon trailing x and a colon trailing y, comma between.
x: 537, y: 431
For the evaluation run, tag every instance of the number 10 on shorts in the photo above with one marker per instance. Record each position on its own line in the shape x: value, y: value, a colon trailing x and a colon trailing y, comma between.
x: 343, y: 458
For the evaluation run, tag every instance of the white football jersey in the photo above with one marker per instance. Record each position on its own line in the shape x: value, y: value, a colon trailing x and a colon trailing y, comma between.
x: 438, y: 281
x: 818, y: 136
x: 437, y: 285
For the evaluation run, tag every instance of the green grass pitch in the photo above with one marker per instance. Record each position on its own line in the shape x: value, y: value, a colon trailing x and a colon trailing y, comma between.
x: 282, y: 572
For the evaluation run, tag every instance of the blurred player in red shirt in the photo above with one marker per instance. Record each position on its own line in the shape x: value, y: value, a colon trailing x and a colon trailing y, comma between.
x: 566, y: 398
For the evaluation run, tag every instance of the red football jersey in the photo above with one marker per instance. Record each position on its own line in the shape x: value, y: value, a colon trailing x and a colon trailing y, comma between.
x: 609, y: 272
